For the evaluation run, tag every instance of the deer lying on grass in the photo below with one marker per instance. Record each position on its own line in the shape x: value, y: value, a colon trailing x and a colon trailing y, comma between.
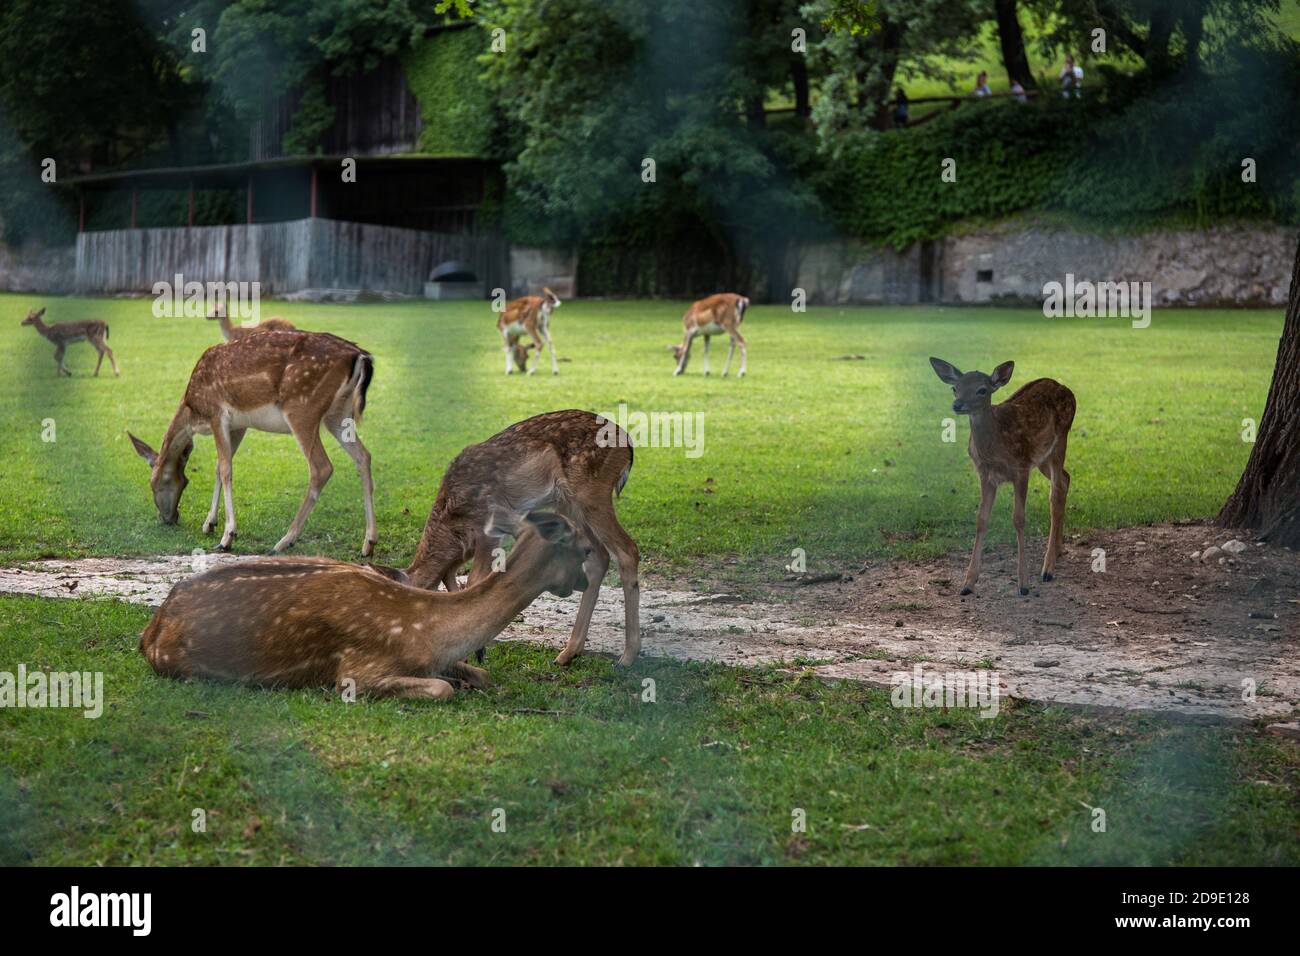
x: 310, y: 622
x: 63, y: 334
x: 709, y: 317
x: 284, y: 382
x: 573, y: 460
x: 530, y: 315
x: 232, y: 332
x: 1007, y: 442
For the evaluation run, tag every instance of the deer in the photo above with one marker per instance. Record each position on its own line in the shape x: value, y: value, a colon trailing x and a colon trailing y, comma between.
x: 530, y: 315
x: 280, y: 382
x: 573, y: 460
x: 63, y: 334
x: 232, y: 332
x: 312, y: 622
x: 709, y: 317
x: 1007, y: 442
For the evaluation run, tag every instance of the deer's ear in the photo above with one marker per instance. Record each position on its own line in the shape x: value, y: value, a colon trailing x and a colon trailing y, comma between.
x: 143, y: 450
x: 40, y: 313
x: 948, y: 373
x: 550, y: 526
x: 1002, y: 374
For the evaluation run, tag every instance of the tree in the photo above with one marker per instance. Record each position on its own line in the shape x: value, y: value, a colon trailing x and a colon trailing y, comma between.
x: 1012, y: 41
x: 1267, y: 498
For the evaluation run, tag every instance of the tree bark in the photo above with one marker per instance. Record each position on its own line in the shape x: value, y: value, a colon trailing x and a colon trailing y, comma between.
x: 1013, y: 44
x: 799, y: 76
x: 1267, y: 498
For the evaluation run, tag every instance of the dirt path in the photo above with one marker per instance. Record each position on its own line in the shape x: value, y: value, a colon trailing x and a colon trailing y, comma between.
x: 1158, y: 630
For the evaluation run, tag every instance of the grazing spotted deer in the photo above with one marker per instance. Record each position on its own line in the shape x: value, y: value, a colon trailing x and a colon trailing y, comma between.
x: 530, y: 315
x: 284, y: 382
x: 709, y: 317
x: 1007, y: 442
x: 311, y: 622
x: 62, y: 334
x: 232, y: 332
x: 572, y: 460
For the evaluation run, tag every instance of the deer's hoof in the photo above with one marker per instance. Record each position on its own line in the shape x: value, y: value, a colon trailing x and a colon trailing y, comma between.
x: 1047, y: 575
x: 1024, y: 591
x: 625, y: 661
x: 965, y: 591
x: 368, y: 549
x: 226, y: 545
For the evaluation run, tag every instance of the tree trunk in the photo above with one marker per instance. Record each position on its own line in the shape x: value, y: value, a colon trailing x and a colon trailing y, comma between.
x: 888, y: 42
x: 799, y: 76
x: 1013, y: 44
x: 1267, y: 498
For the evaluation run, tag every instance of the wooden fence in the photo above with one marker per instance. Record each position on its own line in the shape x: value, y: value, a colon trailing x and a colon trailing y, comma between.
x: 283, y: 257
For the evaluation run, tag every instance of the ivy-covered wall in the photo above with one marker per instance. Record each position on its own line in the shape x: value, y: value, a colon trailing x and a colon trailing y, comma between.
x: 443, y: 72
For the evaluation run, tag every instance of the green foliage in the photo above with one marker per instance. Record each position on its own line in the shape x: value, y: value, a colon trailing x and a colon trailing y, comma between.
x: 442, y: 70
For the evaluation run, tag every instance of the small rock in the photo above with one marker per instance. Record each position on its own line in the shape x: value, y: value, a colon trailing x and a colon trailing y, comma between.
x: 657, y: 618
x: 1210, y: 553
x: 1290, y: 729
x: 1047, y: 663
x: 1234, y: 546
x: 1196, y: 555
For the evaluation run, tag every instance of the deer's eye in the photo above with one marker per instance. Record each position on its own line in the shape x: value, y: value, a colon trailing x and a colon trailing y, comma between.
x: 982, y: 391
x: 954, y: 389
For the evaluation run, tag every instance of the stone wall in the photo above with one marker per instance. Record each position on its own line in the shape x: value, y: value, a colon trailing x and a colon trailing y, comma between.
x: 1225, y: 265
x: 533, y: 267
x: 38, y: 269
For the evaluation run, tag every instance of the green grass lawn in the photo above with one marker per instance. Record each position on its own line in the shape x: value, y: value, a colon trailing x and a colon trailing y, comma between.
x: 842, y: 458
x: 588, y: 772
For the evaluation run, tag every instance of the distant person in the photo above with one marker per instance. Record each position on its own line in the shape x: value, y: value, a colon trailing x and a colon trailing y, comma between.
x: 1018, y: 92
x: 900, y: 108
x: 1071, y: 78
x: 982, y: 84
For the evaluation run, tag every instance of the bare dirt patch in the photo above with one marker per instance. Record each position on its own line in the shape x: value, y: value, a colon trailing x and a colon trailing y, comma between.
x: 1157, y: 630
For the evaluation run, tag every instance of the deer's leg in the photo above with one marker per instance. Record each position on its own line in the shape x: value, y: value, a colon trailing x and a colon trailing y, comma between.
x: 744, y: 355
x: 225, y: 471
x: 509, y: 358
x: 707, y: 340
x: 100, y: 349
x: 117, y: 373
x: 595, y: 567
x: 361, y: 457
x: 426, y: 688
x: 474, y: 676
x: 988, y: 492
x: 59, y: 350
x: 605, y: 528
x: 307, y: 431
x: 555, y: 362
x: 730, y: 352
x: 1021, y: 486
x: 686, y: 354
x: 236, y: 436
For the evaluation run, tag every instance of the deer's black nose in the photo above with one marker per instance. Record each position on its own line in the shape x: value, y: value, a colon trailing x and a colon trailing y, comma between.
x: 958, y: 407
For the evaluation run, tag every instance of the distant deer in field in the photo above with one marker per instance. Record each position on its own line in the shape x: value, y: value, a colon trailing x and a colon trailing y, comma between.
x: 709, y: 317
x: 531, y: 316
x: 572, y: 460
x: 1007, y: 442
x: 62, y: 334
x: 232, y: 332
x: 311, y: 622
x: 284, y: 382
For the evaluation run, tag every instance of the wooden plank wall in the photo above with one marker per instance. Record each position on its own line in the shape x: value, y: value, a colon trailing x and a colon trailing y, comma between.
x: 283, y: 256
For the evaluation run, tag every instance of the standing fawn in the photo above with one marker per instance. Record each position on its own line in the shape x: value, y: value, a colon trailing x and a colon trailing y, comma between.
x: 573, y: 460
x: 709, y: 317
x: 530, y: 315
x: 232, y: 332
x: 1007, y: 442
x: 311, y: 622
x: 284, y: 382
x: 62, y: 334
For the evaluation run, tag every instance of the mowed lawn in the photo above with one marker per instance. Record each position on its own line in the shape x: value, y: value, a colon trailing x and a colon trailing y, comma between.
x: 844, y: 458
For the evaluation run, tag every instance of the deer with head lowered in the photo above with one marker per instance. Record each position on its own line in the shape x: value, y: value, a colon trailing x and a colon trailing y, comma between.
x: 232, y: 332
x: 285, y: 382
x: 574, y: 461
x: 709, y: 317
x: 63, y: 334
x: 1007, y: 442
x: 311, y: 622
x: 531, y: 316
